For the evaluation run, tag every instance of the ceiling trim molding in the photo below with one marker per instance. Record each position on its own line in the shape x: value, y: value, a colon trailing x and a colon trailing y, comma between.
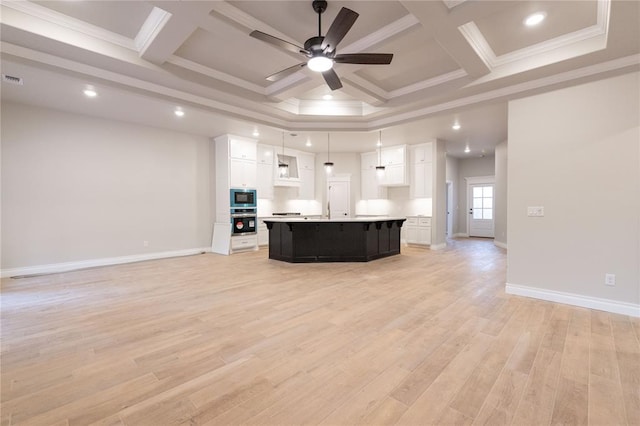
x: 406, y: 22
x: 620, y: 63
x: 365, y: 84
x: 474, y: 37
x: 36, y: 11
x: 425, y: 84
x: 453, y: 3
x: 245, y: 20
x: 152, y: 26
x: 218, y: 75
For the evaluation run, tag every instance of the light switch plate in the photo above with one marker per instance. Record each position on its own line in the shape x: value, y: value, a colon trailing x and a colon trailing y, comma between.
x: 536, y: 211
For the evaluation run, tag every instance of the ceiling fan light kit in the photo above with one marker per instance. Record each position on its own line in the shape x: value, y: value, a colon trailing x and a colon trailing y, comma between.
x: 321, y: 50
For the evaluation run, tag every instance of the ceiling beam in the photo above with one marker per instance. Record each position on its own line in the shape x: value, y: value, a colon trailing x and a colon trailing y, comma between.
x: 434, y: 17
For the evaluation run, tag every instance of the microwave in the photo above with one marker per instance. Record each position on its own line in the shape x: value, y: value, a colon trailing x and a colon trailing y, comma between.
x: 242, y: 198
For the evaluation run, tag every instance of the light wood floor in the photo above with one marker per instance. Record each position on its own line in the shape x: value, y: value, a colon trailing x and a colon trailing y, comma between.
x: 421, y: 338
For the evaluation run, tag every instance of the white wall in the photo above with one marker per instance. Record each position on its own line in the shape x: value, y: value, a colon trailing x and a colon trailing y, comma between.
x: 470, y: 167
x: 77, y: 188
x: 576, y: 151
x: 501, y: 195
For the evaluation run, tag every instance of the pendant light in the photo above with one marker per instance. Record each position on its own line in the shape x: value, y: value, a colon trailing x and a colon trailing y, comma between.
x: 283, y: 167
x: 328, y: 166
x: 380, y: 167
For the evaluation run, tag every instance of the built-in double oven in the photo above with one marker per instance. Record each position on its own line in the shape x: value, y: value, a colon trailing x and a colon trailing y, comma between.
x: 243, y: 203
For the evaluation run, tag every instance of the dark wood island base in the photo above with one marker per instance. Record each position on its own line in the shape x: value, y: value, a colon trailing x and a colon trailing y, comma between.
x: 322, y: 240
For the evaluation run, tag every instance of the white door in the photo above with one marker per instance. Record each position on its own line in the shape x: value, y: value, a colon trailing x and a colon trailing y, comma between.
x: 481, y: 206
x: 338, y: 194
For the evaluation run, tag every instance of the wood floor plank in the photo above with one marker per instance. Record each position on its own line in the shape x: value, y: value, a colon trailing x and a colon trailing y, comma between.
x: 427, y: 337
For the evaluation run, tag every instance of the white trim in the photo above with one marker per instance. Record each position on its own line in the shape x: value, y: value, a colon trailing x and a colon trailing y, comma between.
x: 152, y: 26
x: 425, y: 84
x: 438, y: 246
x: 481, y: 46
x: 500, y: 244
x: 623, y: 308
x: 461, y: 235
x: 480, y: 179
x: 91, y: 263
x: 64, y: 21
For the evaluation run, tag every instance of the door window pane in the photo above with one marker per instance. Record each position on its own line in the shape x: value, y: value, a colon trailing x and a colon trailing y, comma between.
x: 487, y: 214
x: 487, y: 191
x: 477, y: 203
x: 477, y: 213
x: 487, y: 203
x: 477, y: 192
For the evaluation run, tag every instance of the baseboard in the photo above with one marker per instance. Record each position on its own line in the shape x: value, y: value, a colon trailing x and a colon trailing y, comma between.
x: 461, y: 235
x: 438, y: 246
x: 91, y: 263
x: 500, y: 244
x: 607, y: 305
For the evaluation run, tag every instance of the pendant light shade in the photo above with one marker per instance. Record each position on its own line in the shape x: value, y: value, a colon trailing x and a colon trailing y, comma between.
x: 380, y: 167
x: 283, y: 167
x: 328, y: 165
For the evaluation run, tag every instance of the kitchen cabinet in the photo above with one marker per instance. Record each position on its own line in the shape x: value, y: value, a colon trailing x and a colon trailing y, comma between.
x: 370, y: 184
x: 421, y: 171
x: 394, y: 159
x: 264, y: 172
x: 242, y: 149
x: 418, y: 230
x: 263, y: 233
x: 306, y: 169
x: 242, y: 173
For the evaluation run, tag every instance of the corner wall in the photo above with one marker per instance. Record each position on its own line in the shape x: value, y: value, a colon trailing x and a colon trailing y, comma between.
x: 576, y: 152
x: 501, y: 200
x: 78, y: 190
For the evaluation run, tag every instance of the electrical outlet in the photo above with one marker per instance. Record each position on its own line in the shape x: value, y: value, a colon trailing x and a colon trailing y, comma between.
x: 145, y: 243
x: 536, y: 211
x: 610, y: 279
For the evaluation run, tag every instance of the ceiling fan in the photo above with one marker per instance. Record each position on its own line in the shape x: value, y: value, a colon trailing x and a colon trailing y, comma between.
x: 321, y: 51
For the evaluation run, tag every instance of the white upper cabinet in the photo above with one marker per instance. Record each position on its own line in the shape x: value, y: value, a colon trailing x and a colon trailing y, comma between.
x: 394, y: 159
x: 265, y: 154
x: 264, y: 186
x: 421, y: 171
x: 242, y: 149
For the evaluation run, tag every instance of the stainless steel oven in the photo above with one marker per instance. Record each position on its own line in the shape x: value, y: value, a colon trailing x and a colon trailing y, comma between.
x: 243, y: 224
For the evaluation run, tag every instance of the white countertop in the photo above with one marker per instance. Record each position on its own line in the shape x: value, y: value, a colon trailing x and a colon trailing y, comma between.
x: 336, y: 219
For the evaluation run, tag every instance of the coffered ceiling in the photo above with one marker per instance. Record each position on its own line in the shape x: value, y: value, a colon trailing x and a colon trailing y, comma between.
x: 454, y: 60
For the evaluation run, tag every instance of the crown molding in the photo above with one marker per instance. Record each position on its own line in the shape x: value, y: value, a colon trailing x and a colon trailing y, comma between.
x: 597, y: 32
x: 422, y: 85
x: 36, y: 11
x: 218, y: 75
x: 400, y: 25
x: 453, y: 3
x: 603, y: 67
x: 152, y: 26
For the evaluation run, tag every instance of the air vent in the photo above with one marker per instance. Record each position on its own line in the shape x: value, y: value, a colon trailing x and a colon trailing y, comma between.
x: 11, y: 79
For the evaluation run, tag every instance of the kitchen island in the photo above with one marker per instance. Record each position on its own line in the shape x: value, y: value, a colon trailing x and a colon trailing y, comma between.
x: 299, y: 240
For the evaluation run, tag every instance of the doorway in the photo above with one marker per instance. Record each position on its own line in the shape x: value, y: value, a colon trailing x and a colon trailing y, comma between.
x: 481, y: 207
x: 339, y: 196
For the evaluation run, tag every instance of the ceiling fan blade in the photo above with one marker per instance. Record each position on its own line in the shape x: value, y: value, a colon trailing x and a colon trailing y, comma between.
x: 332, y: 79
x: 338, y: 29
x: 364, y: 58
x: 283, y: 44
x: 286, y: 72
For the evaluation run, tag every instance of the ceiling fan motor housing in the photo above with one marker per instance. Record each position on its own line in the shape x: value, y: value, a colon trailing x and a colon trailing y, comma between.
x: 314, y: 45
x: 319, y: 6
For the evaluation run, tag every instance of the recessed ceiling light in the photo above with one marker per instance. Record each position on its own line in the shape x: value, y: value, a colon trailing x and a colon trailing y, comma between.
x: 466, y: 149
x: 327, y: 97
x: 456, y: 126
x: 256, y: 133
x: 308, y: 142
x: 90, y: 93
x: 534, y: 19
x: 179, y: 112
